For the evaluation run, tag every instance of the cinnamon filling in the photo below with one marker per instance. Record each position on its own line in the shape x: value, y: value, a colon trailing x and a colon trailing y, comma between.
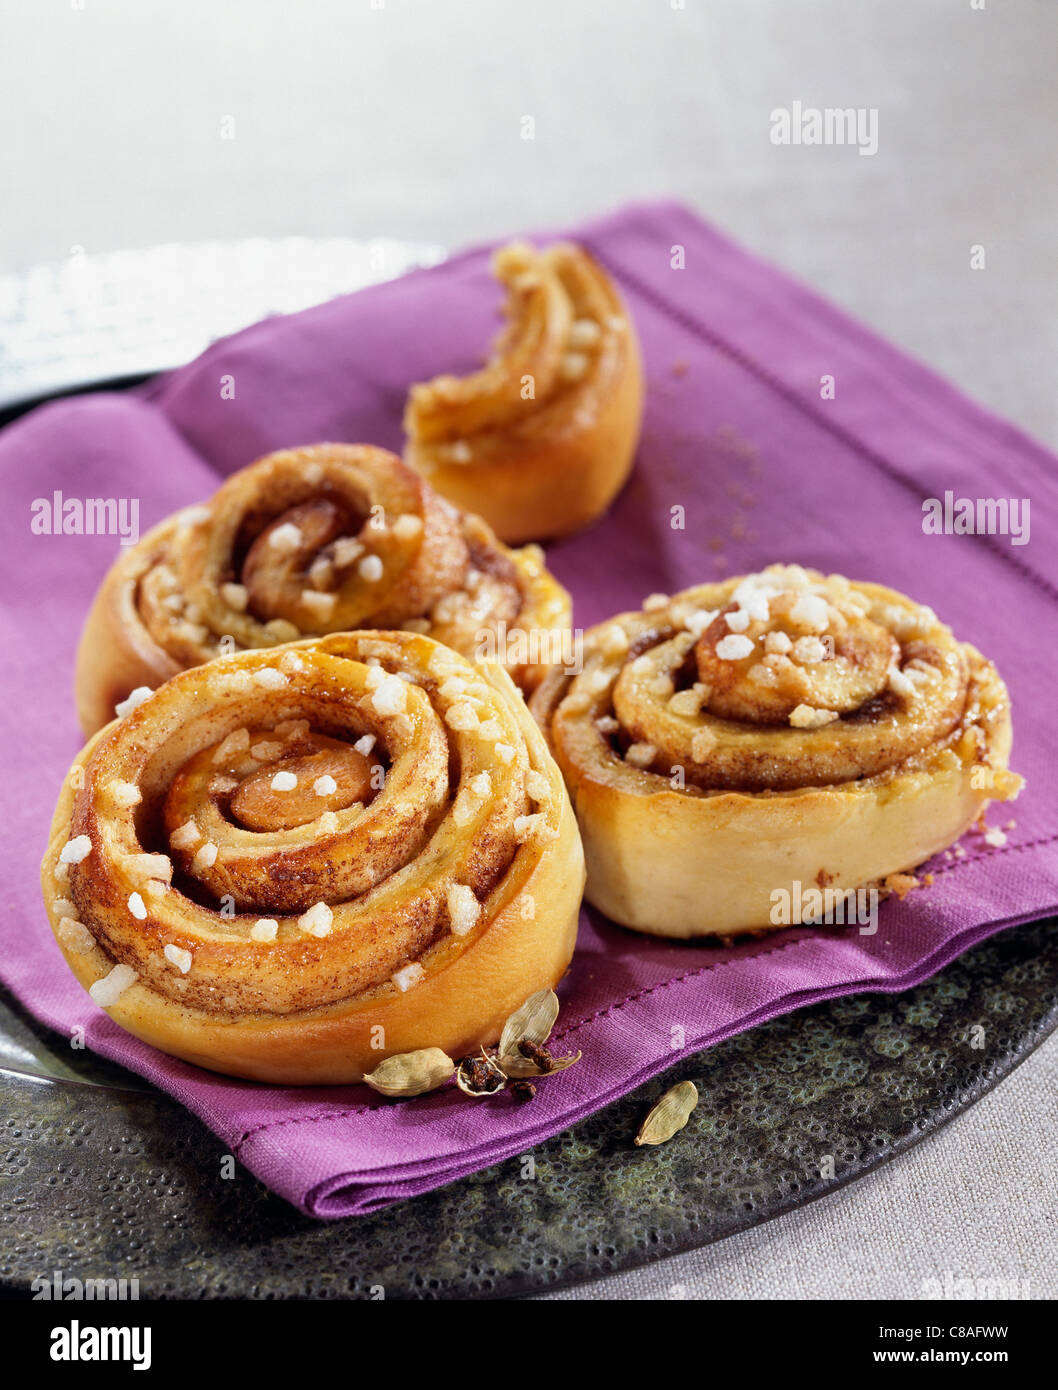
x: 323, y: 540
x: 561, y: 320
x: 777, y: 681
x: 269, y: 571
x: 838, y: 668
x: 278, y: 837
x: 258, y: 805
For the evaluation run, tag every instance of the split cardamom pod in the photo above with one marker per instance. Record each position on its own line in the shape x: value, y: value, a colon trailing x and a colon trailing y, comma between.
x: 521, y: 1049
x: 670, y: 1114
x: 531, y: 1023
x: 518, y: 1067
x: 411, y: 1073
x: 480, y: 1076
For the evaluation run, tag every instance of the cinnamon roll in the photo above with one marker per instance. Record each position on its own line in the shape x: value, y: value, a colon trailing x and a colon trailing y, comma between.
x: 541, y: 440
x: 288, y: 865
x: 738, y: 740
x: 305, y: 542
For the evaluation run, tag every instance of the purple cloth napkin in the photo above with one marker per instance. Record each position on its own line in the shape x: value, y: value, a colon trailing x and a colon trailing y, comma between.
x: 766, y: 467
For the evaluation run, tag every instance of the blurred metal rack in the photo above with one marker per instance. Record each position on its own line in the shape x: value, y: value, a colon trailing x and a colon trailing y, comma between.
x: 93, y: 320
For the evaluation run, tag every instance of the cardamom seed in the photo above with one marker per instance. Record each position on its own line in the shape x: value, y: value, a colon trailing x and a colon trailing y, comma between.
x: 533, y: 1052
x: 531, y: 1023
x: 411, y: 1073
x: 670, y: 1114
x: 518, y: 1067
x: 480, y: 1076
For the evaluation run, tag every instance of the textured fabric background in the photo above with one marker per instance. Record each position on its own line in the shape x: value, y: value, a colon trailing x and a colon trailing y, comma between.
x: 736, y: 432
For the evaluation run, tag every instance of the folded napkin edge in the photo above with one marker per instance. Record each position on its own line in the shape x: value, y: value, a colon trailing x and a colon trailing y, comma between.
x: 927, y: 965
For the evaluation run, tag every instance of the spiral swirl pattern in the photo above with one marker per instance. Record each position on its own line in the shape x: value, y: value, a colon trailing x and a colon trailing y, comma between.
x: 307, y: 542
x: 775, y: 681
x: 329, y: 823
x: 558, y: 322
x: 542, y: 437
x: 779, y: 726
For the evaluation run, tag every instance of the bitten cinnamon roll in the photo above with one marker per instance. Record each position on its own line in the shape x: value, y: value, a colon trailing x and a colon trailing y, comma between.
x: 740, y: 739
x: 306, y: 542
x: 541, y: 440
x: 289, y: 865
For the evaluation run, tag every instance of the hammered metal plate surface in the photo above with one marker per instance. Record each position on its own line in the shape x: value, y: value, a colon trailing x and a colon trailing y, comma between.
x: 101, y: 1176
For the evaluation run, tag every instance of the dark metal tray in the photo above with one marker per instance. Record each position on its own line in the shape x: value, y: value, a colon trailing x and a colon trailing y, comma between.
x: 103, y: 1176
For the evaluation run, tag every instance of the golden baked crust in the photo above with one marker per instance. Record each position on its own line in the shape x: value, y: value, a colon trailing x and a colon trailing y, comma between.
x: 279, y: 908
x: 542, y: 439
x: 309, y: 541
x: 739, y: 738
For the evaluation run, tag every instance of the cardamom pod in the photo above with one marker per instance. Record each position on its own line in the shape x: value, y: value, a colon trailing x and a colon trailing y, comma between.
x: 531, y: 1023
x: 518, y: 1067
x: 670, y: 1114
x: 411, y: 1073
x: 480, y: 1076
